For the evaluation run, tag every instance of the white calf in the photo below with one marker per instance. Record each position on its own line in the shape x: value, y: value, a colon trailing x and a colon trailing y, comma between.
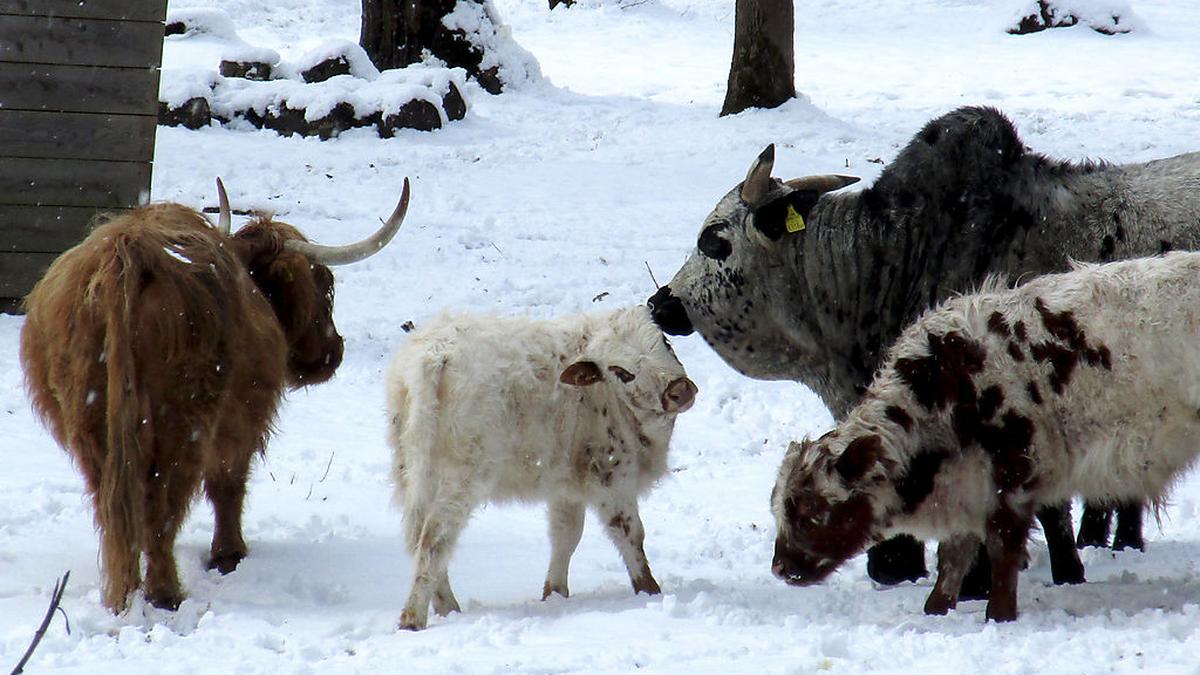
x: 573, y: 412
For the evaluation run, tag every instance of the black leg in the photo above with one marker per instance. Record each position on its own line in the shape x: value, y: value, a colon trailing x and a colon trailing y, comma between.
x: 1093, y: 528
x: 901, y: 558
x: 1065, y: 565
x: 1129, y: 527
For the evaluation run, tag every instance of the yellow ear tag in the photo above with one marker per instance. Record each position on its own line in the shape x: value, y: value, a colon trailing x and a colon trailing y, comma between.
x: 795, y: 221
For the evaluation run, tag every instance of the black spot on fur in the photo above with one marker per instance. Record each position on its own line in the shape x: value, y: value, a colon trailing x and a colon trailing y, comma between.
x: 1035, y: 394
x: 859, y: 456
x: 990, y: 401
x: 1061, y: 325
x: 998, y: 325
x: 899, y: 416
x: 1061, y: 359
x: 1008, y: 445
x: 1165, y: 246
x: 944, y: 376
x: 712, y: 244
x: 1014, y: 350
x: 1064, y: 357
x: 917, y: 482
x: 1107, y: 246
x: 1020, y: 332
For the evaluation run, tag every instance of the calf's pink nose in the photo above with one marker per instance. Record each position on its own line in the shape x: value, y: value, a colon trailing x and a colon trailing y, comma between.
x: 679, y: 396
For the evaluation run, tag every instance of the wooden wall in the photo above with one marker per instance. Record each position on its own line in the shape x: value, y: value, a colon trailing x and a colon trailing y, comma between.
x: 78, y: 109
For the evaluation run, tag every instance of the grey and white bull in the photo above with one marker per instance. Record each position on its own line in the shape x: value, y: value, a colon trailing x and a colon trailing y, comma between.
x: 790, y: 282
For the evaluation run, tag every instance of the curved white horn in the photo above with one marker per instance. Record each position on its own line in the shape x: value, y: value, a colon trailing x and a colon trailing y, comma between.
x: 758, y: 178
x: 822, y: 184
x: 224, y: 220
x: 342, y: 255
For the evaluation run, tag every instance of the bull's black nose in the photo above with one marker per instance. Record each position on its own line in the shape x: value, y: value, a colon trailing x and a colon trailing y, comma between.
x: 668, y: 312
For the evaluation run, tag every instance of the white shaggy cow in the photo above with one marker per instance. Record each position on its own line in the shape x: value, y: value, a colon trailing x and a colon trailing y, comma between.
x: 1081, y: 383
x: 573, y: 412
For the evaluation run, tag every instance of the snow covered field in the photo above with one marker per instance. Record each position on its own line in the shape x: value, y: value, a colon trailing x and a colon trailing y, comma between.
x: 542, y: 200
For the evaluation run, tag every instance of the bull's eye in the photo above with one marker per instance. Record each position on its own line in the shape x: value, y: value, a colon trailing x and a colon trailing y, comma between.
x: 622, y: 374
x: 712, y: 244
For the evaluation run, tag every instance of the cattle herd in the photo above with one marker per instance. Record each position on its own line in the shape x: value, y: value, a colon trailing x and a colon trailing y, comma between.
x: 158, y: 350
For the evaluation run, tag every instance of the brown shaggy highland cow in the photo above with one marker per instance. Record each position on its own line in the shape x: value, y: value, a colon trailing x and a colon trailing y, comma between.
x: 157, y: 351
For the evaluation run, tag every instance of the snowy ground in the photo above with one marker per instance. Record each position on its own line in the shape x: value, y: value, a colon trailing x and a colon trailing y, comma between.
x: 541, y: 200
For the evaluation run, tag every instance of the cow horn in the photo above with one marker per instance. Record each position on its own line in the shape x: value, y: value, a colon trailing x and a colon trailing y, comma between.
x: 342, y: 255
x: 758, y: 178
x: 224, y: 220
x: 821, y: 184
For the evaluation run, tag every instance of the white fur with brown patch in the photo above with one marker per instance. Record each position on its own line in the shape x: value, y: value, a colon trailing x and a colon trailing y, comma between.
x: 1120, y: 339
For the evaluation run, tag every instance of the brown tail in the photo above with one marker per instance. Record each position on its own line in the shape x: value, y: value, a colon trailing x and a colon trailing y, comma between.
x: 121, y: 498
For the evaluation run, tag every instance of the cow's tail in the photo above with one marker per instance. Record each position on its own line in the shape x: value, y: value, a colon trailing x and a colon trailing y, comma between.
x: 415, y: 387
x: 121, y: 493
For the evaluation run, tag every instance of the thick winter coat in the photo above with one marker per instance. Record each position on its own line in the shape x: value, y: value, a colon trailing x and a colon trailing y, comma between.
x: 1081, y: 383
x: 157, y: 351
x: 573, y: 412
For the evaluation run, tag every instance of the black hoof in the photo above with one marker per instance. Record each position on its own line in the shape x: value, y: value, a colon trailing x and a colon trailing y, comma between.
x: 225, y: 562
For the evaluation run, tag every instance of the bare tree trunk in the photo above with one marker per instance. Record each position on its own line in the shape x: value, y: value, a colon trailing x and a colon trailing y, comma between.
x: 395, y: 33
x: 762, y: 73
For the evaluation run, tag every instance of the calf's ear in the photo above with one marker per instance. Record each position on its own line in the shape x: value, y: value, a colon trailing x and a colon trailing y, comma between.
x: 860, y: 455
x: 581, y: 374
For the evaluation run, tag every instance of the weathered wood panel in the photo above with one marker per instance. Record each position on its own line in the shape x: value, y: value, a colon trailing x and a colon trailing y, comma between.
x: 128, y: 138
x: 20, y: 271
x: 130, y: 10
x: 94, y: 42
x: 96, y: 89
x: 44, y: 229
x: 62, y: 182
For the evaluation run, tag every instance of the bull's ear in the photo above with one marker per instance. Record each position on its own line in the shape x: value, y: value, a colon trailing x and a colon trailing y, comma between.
x: 860, y: 455
x: 581, y: 374
x: 786, y: 213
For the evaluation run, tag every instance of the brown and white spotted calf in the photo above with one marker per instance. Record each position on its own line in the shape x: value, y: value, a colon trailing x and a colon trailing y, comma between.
x: 1082, y: 383
x: 573, y: 412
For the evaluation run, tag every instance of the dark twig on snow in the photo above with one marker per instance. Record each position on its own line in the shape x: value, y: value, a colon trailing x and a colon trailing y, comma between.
x: 55, y: 599
x: 656, y: 286
x: 327, y: 465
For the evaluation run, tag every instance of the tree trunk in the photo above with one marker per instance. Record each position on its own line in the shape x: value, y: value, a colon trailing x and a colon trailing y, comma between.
x: 395, y: 33
x: 762, y: 73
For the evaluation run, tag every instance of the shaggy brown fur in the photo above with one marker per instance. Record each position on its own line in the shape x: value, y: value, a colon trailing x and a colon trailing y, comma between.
x: 157, y: 351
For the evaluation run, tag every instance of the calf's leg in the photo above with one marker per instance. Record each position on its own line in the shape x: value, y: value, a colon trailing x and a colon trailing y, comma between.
x: 955, y: 556
x: 566, y: 527
x: 442, y: 524
x: 1065, y: 565
x: 1129, y: 527
x: 1007, y: 530
x: 624, y: 527
x: 1094, y: 526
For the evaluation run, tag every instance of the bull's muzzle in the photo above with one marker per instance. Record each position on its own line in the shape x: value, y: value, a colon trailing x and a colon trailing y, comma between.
x: 679, y: 395
x: 669, y: 313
